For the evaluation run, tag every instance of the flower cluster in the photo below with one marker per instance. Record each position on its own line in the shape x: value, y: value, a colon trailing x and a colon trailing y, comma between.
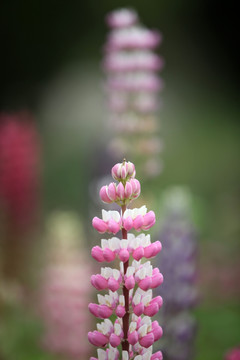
x: 130, y: 311
x: 179, y: 267
x: 132, y: 85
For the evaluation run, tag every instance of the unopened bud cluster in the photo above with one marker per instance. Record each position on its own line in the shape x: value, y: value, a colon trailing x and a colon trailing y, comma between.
x: 129, y: 297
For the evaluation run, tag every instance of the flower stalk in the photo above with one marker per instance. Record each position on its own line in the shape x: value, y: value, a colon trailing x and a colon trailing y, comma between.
x: 132, y: 329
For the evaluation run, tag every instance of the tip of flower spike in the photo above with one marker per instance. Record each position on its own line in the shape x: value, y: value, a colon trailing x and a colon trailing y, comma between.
x: 123, y: 171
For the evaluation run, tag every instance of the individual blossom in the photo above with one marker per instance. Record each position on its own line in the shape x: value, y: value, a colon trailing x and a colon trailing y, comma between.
x: 128, y: 304
x: 64, y: 293
x: 178, y: 262
x: 132, y: 87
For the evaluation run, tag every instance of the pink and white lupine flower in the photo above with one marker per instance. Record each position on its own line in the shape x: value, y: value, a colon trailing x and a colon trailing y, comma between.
x: 132, y: 87
x: 129, y: 300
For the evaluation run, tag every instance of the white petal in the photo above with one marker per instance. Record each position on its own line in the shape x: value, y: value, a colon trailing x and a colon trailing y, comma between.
x: 121, y: 267
x: 146, y: 300
x: 116, y: 274
x: 137, y: 299
x: 142, y: 273
x: 114, y: 243
x: 115, y: 215
x: 121, y: 300
x: 124, y: 244
x: 104, y: 243
x: 125, y: 355
x: 105, y: 215
x: 101, y: 299
x: 117, y: 329
x: 143, y: 330
x: 133, y: 326
x: 130, y: 271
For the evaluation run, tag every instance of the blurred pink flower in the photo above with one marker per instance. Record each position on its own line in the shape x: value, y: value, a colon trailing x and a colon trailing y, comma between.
x: 19, y: 168
x: 233, y: 354
x: 65, y: 291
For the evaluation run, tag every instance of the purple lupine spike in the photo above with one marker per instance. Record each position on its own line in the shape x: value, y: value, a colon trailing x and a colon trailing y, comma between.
x: 178, y: 263
x: 128, y: 299
x: 133, y: 85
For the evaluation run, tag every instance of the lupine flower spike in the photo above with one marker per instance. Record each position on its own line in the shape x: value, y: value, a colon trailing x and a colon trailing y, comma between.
x: 129, y: 299
x: 133, y: 85
x: 179, y: 267
x: 64, y: 294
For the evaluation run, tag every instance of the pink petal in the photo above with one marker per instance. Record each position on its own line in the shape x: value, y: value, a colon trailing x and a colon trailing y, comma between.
x: 123, y: 255
x: 128, y: 223
x: 97, y: 253
x: 99, y: 225
x: 138, y: 253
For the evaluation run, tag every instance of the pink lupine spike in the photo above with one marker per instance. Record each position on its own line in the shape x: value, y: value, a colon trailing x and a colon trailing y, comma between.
x: 98, y: 339
x: 128, y: 306
x: 133, y: 338
x: 99, y: 225
x: 97, y: 254
x: 104, y: 195
x: 138, y: 253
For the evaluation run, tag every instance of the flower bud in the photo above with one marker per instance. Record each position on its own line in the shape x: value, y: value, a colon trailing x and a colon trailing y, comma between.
x: 123, y: 171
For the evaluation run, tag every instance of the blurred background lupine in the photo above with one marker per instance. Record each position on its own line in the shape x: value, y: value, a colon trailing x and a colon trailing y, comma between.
x: 19, y: 189
x: 177, y: 261
x: 132, y: 88
x: 65, y: 290
x: 233, y: 354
